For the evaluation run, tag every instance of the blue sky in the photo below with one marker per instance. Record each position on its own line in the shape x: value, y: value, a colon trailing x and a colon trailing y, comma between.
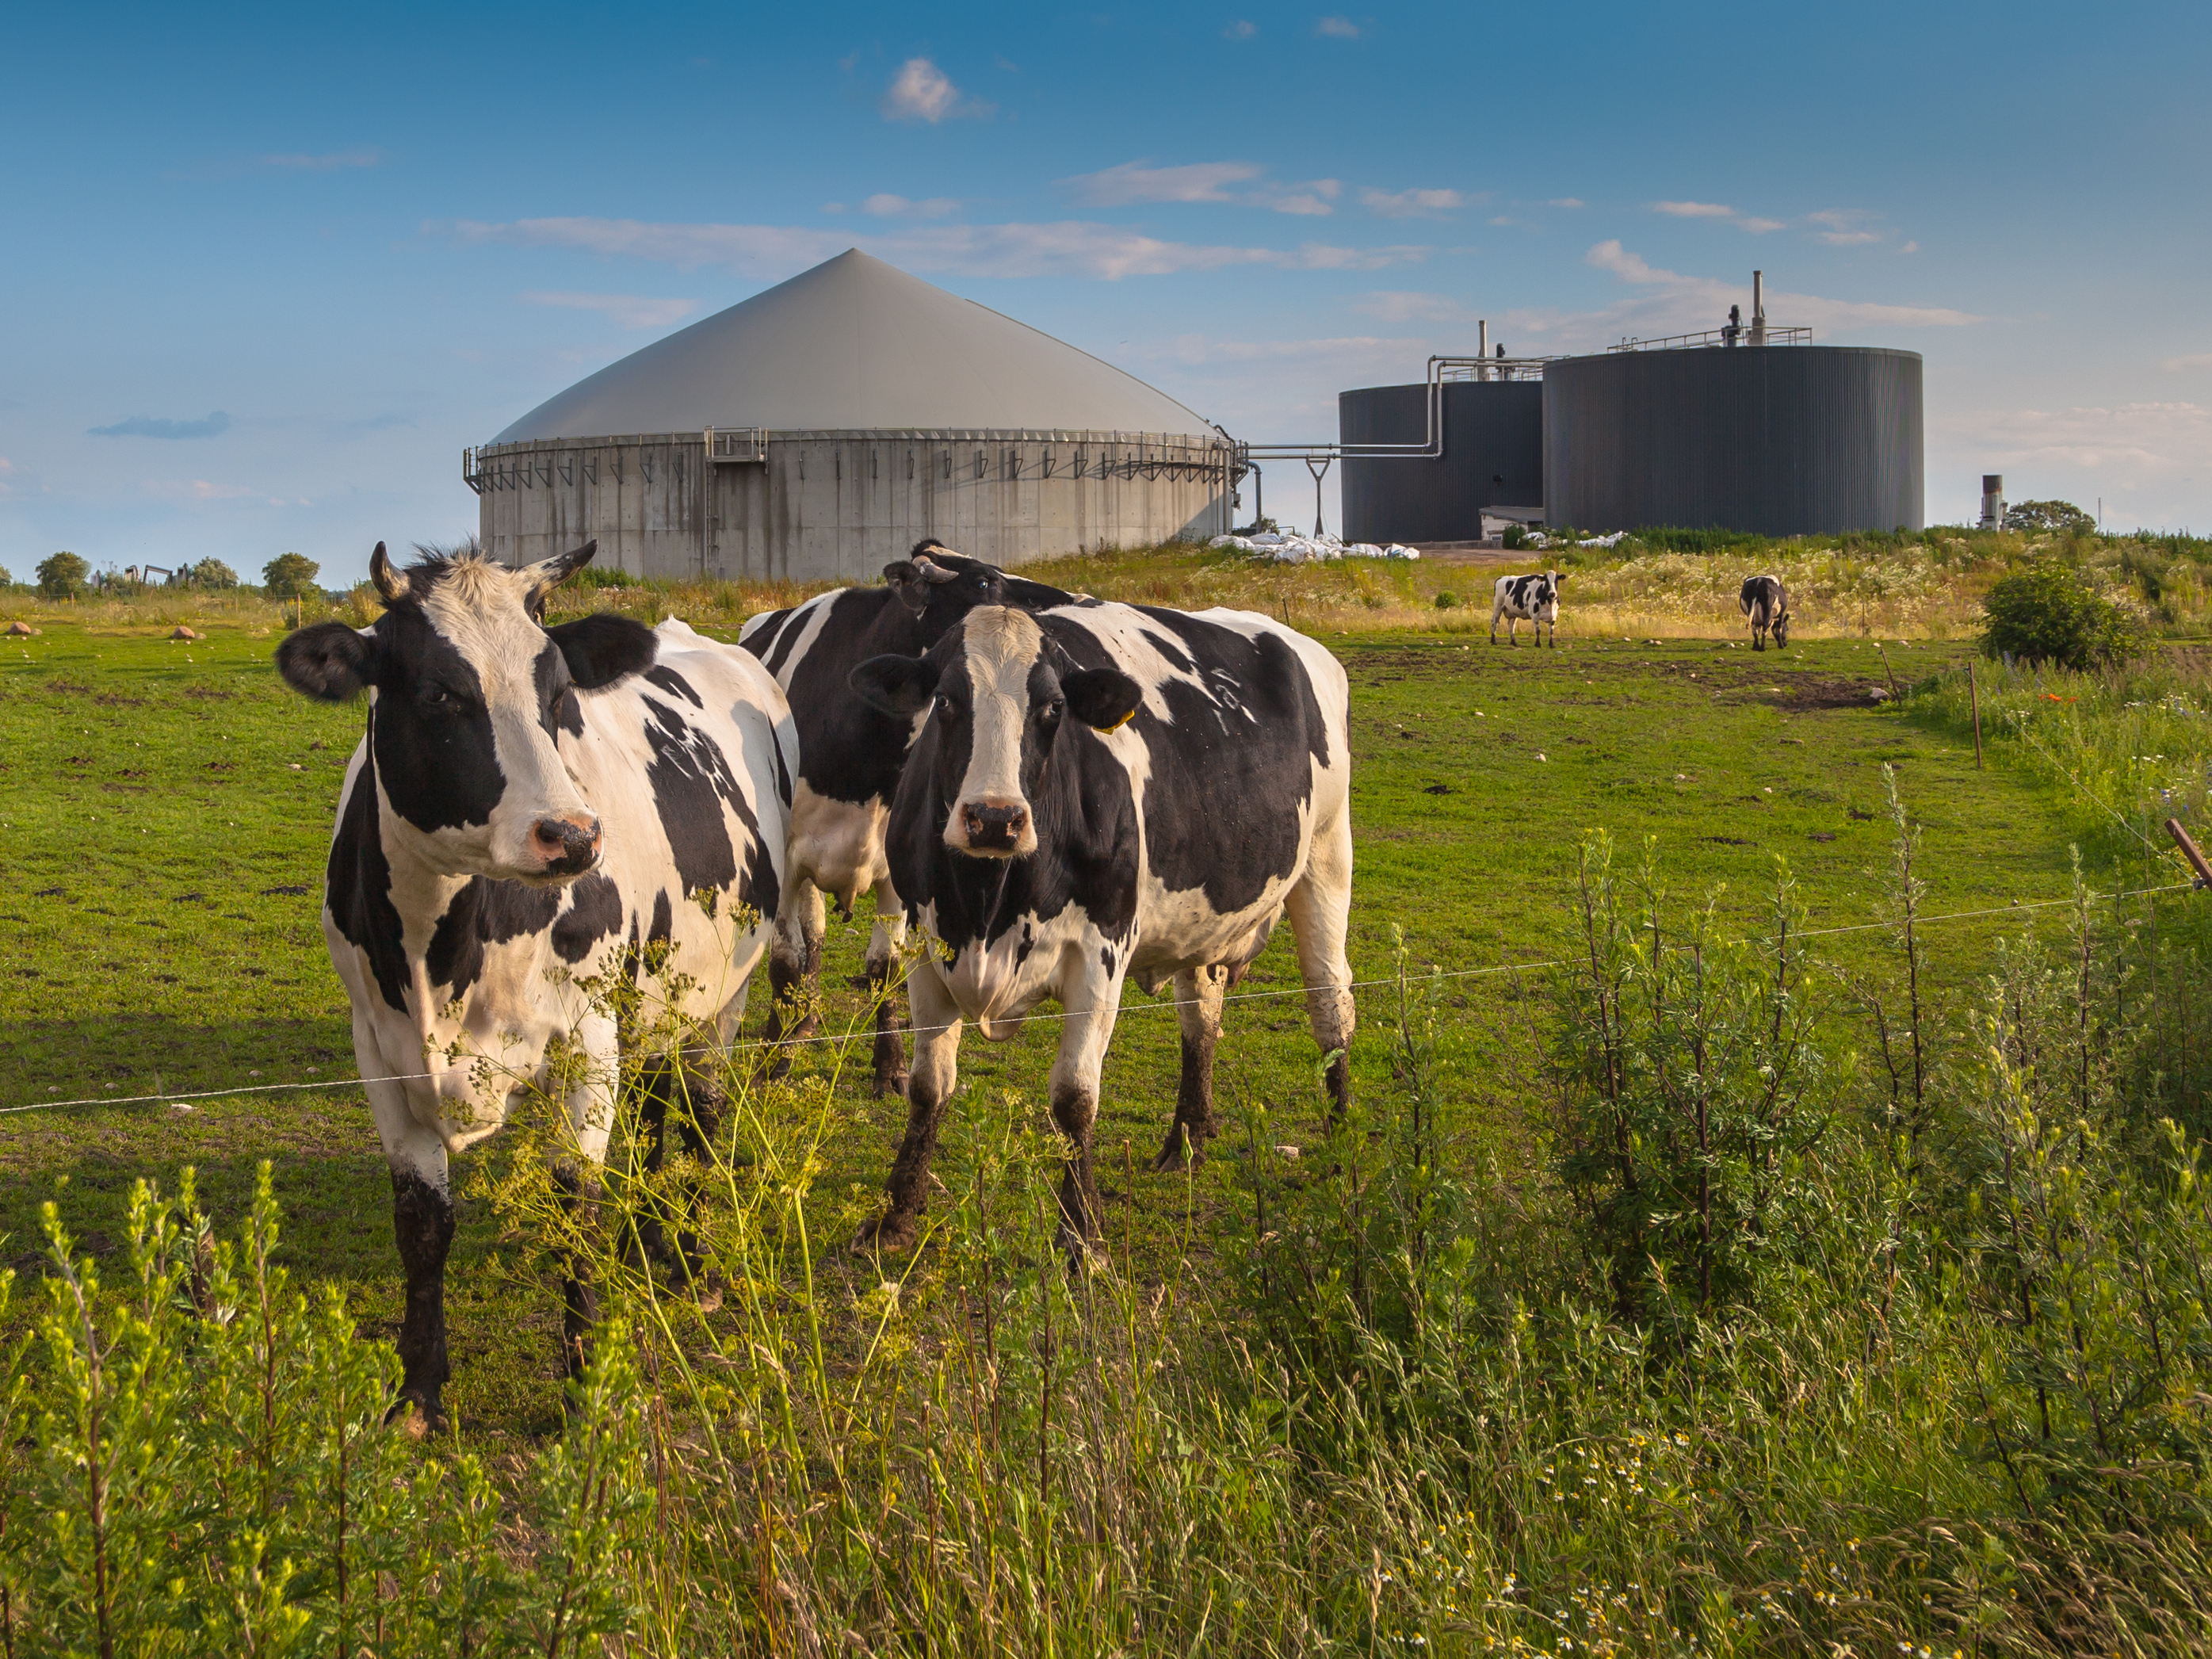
x: 264, y: 272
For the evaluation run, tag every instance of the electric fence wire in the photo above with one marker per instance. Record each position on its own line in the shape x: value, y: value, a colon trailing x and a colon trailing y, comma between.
x: 759, y: 1045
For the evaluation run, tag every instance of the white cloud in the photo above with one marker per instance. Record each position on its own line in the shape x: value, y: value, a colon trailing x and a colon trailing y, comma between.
x: 1759, y: 227
x: 1202, y: 181
x: 922, y: 92
x: 2195, y: 360
x: 1672, y: 303
x: 1411, y: 203
x: 1312, y: 197
x: 202, y: 489
x: 1849, y: 238
x: 623, y: 310
x: 361, y: 155
x: 1337, y: 29
x: 2137, y: 440
x: 1068, y: 249
x: 1566, y: 202
x: 1241, y: 30
x: 1197, y: 348
x: 6, y: 469
x: 1693, y: 210
x: 1910, y: 247
x: 1135, y: 181
x: 1405, y: 305
x: 1839, y: 218
x: 885, y: 205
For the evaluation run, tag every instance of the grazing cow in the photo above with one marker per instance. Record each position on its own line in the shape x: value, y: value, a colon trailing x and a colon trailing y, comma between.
x: 1767, y: 605
x: 1099, y: 791
x: 850, y: 756
x: 533, y: 808
x: 1534, y: 599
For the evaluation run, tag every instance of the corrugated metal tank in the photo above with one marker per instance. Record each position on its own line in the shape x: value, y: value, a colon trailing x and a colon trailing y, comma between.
x: 1785, y: 440
x: 1493, y: 456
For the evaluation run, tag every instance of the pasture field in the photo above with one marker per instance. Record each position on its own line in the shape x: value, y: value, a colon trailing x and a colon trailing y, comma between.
x: 170, y: 806
x: 1425, y: 1381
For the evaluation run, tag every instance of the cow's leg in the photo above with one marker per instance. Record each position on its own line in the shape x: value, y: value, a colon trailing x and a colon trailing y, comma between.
x: 1198, y: 1006
x: 1089, y: 1006
x: 1494, y: 615
x: 1320, y: 909
x: 794, y: 969
x: 591, y: 1113
x: 422, y: 1223
x: 936, y: 1068
x: 883, y: 968
x: 691, y: 1095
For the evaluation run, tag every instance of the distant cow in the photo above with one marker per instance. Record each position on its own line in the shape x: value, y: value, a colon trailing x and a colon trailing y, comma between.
x: 1767, y: 605
x: 1528, y: 598
x: 532, y: 808
x: 1101, y: 791
x: 849, y: 756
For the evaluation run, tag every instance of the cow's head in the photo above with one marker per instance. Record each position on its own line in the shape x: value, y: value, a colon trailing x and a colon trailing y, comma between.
x: 1544, y: 600
x: 939, y: 586
x: 467, y: 691
x: 998, y: 692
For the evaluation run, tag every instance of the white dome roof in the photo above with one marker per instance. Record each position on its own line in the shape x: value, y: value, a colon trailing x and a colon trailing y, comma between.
x: 856, y: 345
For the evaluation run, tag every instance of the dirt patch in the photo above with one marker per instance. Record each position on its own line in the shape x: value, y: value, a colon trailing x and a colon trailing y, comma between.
x: 1805, y: 692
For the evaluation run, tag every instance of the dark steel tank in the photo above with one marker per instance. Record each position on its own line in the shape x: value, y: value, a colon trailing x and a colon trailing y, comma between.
x: 1493, y: 456
x: 1781, y: 439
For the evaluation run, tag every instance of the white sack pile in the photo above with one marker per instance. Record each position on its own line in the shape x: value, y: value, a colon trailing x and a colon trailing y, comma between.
x: 1293, y: 549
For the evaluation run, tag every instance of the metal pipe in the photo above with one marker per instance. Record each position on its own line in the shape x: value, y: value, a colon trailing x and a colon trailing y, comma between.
x: 1481, y: 346
x: 1758, y: 308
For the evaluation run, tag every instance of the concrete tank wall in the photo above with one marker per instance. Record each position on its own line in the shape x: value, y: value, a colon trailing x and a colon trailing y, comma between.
x: 1785, y: 440
x: 831, y: 505
x: 1493, y: 456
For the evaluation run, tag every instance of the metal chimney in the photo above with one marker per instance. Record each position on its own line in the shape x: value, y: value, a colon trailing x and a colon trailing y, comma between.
x: 1482, y: 347
x: 1993, y: 503
x: 1758, y: 307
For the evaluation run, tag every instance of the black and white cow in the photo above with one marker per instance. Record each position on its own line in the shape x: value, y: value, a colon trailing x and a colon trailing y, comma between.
x: 1100, y: 791
x: 530, y: 808
x: 1764, y: 602
x: 1528, y: 598
x: 849, y: 756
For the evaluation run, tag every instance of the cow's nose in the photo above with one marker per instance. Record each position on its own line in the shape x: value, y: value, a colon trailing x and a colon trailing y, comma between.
x: 993, y: 827
x: 568, y: 845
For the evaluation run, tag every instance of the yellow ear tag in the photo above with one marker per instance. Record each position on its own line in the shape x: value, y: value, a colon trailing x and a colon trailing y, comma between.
x: 1118, y: 725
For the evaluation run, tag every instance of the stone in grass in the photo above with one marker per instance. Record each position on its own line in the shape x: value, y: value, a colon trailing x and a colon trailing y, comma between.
x: 185, y: 633
x: 21, y: 630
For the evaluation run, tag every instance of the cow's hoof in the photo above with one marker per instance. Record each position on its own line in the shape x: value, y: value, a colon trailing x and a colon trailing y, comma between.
x: 890, y: 1086
x: 889, y: 1234
x: 1084, y: 1255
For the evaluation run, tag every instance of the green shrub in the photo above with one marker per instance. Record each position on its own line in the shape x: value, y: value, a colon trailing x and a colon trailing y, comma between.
x: 2036, y: 516
x: 2048, y: 614
x: 1446, y: 599
x: 211, y: 573
x: 194, y: 1460
x: 290, y: 576
x: 1514, y: 536
x: 61, y: 576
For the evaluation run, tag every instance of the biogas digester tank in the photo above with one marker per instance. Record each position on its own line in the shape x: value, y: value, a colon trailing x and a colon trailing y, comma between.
x: 1780, y: 439
x: 1493, y: 456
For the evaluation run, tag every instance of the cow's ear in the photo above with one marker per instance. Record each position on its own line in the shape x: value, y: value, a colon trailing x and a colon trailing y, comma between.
x: 549, y: 573
x: 603, y: 647
x: 900, y: 686
x: 906, y: 581
x: 1557, y: 576
x: 1102, y: 698
x: 329, y: 662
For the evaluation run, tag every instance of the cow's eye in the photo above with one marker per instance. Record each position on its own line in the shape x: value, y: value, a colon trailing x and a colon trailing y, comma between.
x: 436, y: 696
x: 1056, y: 709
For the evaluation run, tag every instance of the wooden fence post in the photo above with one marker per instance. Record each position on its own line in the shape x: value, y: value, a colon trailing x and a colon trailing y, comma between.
x: 2189, y: 850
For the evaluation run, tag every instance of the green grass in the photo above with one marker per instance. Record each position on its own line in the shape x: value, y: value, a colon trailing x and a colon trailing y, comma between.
x: 167, y: 803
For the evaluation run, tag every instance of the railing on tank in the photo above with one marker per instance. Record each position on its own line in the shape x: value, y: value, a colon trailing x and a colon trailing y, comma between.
x: 1748, y: 334
x: 729, y: 444
x: 472, y: 473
